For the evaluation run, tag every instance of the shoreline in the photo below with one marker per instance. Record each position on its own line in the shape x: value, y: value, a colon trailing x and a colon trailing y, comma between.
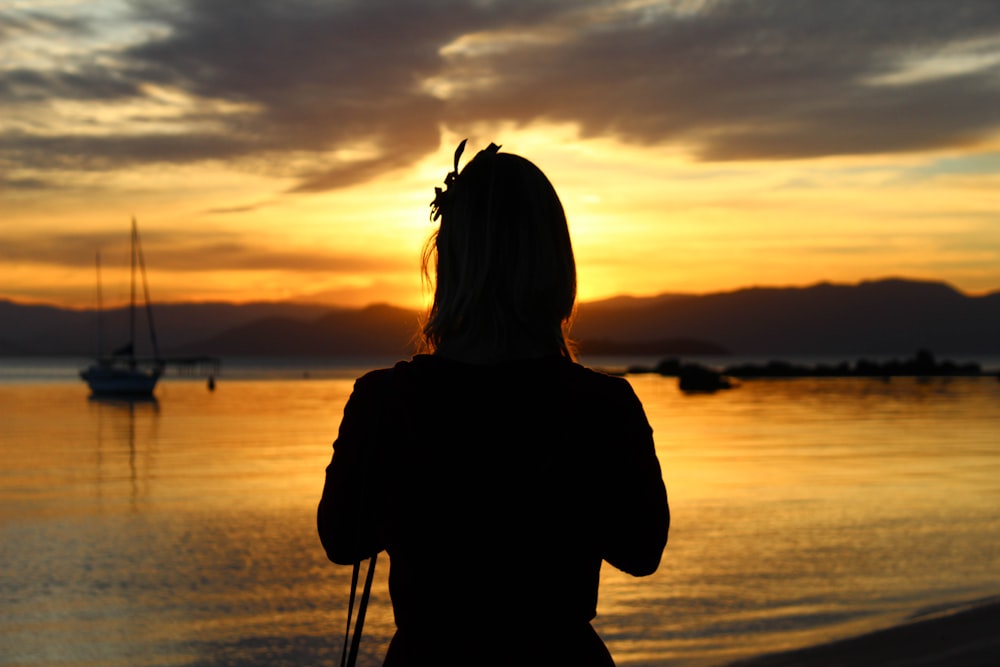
x: 961, y: 634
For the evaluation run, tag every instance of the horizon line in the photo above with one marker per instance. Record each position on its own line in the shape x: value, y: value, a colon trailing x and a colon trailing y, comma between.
x: 308, y: 302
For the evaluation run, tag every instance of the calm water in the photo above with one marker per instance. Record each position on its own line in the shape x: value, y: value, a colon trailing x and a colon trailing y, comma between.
x: 181, y: 532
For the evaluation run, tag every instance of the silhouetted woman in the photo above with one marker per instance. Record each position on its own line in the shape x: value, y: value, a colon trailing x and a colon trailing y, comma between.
x: 495, y: 471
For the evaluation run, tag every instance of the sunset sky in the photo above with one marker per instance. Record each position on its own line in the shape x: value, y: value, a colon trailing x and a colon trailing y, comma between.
x: 289, y: 150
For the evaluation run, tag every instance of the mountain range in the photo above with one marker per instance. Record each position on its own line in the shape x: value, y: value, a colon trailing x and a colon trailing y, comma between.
x: 881, y: 317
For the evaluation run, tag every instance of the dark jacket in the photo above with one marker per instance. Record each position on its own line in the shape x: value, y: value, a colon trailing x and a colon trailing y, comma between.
x: 497, y: 491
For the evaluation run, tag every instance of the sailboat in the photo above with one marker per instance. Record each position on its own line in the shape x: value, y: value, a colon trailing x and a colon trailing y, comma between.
x: 121, y: 373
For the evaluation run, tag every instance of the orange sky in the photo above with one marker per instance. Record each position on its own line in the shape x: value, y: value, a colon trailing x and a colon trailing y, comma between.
x: 697, y: 146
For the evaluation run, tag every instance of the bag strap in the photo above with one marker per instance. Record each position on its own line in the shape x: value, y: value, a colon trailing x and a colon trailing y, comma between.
x: 348, y: 659
x: 350, y: 610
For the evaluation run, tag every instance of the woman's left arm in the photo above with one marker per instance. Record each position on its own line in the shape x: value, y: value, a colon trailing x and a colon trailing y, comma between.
x: 636, y: 513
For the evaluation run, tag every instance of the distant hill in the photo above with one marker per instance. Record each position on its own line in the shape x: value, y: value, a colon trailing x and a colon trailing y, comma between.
x: 27, y: 330
x: 891, y: 316
x: 883, y: 317
x: 375, y: 330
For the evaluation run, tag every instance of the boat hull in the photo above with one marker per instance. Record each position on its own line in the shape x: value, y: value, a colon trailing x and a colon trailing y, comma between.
x: 104, y: 381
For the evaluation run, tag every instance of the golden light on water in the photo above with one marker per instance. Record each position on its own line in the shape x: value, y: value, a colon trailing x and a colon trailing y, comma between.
x: 801, y: 510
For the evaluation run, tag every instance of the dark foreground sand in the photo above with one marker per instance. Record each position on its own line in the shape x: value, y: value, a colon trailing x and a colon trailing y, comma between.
x: 964, y: 637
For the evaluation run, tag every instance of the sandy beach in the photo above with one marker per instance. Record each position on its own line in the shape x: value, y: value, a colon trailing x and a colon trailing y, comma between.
x: 966, y: 636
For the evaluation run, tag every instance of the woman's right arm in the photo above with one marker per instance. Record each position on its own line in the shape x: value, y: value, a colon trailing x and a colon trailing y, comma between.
x: 347, y: 517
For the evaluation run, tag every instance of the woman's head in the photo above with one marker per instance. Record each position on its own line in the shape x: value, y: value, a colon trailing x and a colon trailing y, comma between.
x: 505, y: 277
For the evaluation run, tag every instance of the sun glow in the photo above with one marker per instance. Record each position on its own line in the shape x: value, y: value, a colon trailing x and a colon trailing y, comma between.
x: 643, y: 221
x: 296, y: 157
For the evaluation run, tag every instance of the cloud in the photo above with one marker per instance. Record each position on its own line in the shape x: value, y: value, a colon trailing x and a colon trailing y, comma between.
x: 86, y: 83
x: 339, y: 93
x: 227, y: 210
x: 210, y: 251
x: 35, y: 22
x: 101, y: 153
x: 755, y: 79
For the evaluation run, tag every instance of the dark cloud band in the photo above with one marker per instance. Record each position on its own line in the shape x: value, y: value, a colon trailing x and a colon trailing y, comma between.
x: 187, y: 254
x: 747, y: 79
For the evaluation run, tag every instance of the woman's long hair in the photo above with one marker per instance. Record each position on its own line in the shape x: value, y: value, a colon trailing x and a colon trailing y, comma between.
x: 505, y: 276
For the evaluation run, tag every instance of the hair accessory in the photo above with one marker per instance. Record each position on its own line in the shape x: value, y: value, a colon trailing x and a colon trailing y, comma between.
x: 441, y: 196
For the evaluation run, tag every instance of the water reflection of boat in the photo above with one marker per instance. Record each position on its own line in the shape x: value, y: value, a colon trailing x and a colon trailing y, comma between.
x: 125, y: 402
x: 123, y: 412
x: 122, y: 373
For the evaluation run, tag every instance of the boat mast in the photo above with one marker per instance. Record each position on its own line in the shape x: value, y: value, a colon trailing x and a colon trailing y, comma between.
x: 131, y: 310
x: 145, y: 290
x: 100, y: 310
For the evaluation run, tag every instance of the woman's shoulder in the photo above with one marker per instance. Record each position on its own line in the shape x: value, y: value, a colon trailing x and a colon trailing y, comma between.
x: 404, y: 372
x: 598, y: 379
x: 379, y: 381
x: 422, y: 370
x: 374, y: 378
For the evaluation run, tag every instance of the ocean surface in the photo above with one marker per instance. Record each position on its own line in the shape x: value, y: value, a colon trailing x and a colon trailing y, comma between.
x: 181, y: 531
